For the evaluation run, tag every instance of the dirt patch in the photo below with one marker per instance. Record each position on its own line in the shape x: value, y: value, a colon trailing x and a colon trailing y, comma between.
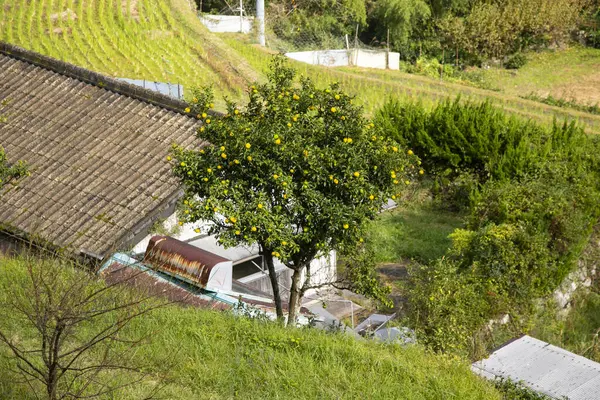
x: 67, y: 15
x: 585, y: 91
x: 393, y: 274
x: 394, y: 271
x: 59, y: 31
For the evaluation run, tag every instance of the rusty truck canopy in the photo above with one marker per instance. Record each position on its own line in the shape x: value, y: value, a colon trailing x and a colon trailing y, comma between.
x: 188, y: 263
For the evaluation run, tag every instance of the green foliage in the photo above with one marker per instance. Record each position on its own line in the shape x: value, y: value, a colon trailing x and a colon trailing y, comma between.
x: 358, y: 268
x: 431, y: 67
x: 218, y: 356
x: 562, y: 102
x: 309, y: 24
x: 475, y: 137
x: 298, y: 170
x: 403, y: 18
x: 532, y: 195
x: 517, y: 391
x: 455, y: 192
x: 446, y: 307
x: 516, y: 61
x: 496, y: 29
x: 10, y: 172
x: 579, y: 330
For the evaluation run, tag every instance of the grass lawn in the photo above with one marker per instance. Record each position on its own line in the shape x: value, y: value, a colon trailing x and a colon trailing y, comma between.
x: 571, y: 74
x: 418, y: 232
x: 214, y: 355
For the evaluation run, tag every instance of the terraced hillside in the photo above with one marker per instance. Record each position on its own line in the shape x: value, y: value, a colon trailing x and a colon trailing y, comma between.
x: 163, y: 40
x: 143, y: 39
x: 373, y: 86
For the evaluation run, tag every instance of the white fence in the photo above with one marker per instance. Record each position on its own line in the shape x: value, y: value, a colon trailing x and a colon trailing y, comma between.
x: 227, y: 23
x: 356, y: 57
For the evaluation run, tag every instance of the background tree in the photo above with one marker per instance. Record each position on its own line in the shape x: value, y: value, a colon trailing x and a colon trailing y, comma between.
x: 298, y: 171
x: 310, y: 24
x: 405, y: 19
x: 72, y: 341
x: 452, y: 29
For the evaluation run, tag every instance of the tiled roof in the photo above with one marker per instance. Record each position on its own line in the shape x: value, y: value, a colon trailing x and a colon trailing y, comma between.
x: 96, y: 149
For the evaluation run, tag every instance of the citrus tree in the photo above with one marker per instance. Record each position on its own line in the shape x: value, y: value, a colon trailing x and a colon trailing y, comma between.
x: 298, y: 171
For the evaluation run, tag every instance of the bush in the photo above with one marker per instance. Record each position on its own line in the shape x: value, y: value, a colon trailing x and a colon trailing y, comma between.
x: 445, y: 307
x: 516, y: 61
x: 478, y: 137
x: 455, y: 193
x: 532, y: 195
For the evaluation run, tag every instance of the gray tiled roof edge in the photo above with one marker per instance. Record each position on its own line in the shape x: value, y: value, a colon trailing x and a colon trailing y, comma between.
x: 93, y: 78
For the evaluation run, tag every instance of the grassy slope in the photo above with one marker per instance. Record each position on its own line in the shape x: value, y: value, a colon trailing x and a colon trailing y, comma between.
x: 373, y: 86
x: 143, y: 39
x: 219, y: 356
x: 571, y: 73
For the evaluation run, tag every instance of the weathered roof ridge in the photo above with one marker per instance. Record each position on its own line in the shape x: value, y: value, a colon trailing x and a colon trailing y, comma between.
x: 93, y: 78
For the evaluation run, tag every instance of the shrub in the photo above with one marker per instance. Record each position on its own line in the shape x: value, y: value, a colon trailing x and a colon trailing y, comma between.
x: 477, y: 137
x: 444, y: 306
x: 455, y: 194
x: 532, y: 195
x: 516, y: 61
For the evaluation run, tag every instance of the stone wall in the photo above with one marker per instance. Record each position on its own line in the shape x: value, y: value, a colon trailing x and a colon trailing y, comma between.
x: 585, y: 274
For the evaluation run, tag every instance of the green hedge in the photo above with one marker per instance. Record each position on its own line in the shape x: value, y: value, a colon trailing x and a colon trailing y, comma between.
x: 477, y: 137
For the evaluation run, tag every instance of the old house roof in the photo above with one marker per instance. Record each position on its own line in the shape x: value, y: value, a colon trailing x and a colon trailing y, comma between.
x: 96, y: 150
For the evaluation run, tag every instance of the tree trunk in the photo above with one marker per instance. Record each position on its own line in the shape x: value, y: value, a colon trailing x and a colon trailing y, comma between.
x: 274, y: 284
x: 457, y: 57
x: 51, y: 384
x: 294, y: 296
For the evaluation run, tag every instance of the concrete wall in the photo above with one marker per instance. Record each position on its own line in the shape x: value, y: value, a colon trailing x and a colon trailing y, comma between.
x: 375, y: 59
x: 329, y: 58
x: 227, y: 23
x: 341, y: 58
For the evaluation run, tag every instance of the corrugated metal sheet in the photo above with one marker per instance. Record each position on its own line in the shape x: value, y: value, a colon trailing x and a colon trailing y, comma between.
x: 544, y: 368
x: 181, y: 259
x: 96, y: 148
